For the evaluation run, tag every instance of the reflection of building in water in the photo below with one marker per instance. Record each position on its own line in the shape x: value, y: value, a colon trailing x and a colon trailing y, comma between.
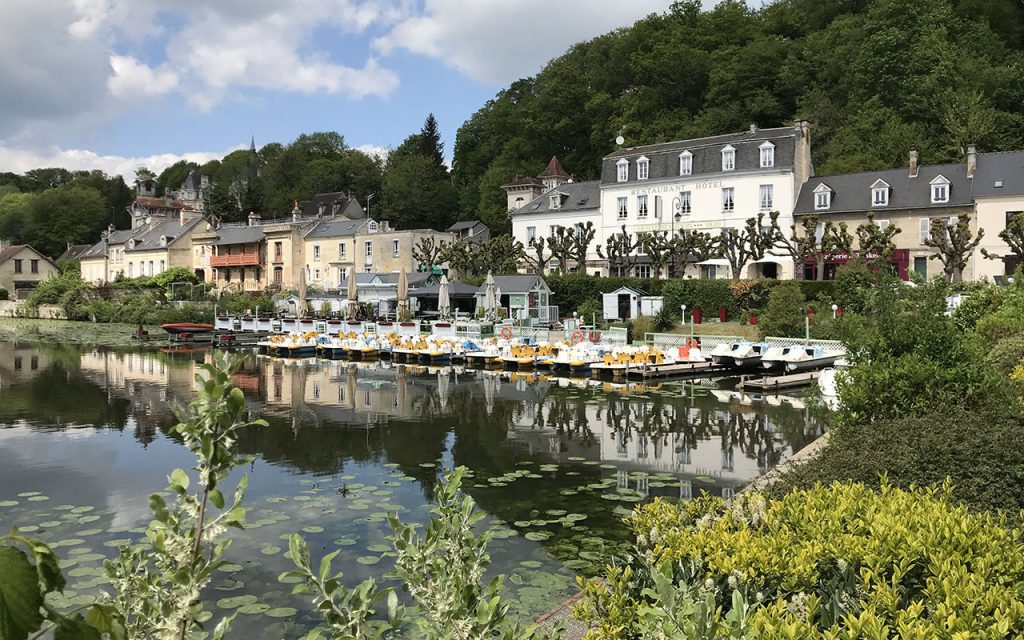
x: 355, y: 394
x: 20, y: 362
x: 697, y: 436
x: 148, y: 379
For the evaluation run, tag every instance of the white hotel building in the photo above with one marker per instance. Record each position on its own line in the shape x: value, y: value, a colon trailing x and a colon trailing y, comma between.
x: 705, y: 184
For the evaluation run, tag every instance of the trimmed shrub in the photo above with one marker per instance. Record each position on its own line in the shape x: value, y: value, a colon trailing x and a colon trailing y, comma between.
x: 707, y: 295
x: 4, y: 294
x: 590, y: 309
x: 784, y: 315
x: 981, y: 453
x: 817, y: 290
x: 842, y: 561
x: 1006, y: 355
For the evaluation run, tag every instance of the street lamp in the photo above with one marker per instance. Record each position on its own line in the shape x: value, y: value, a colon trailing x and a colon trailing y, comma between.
x: 682, y: 309
x: 368, y: 198
x: 835, y: 311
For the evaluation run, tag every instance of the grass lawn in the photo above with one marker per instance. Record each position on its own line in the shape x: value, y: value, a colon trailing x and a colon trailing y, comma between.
x: 104, y: 335
x: 744, y: 331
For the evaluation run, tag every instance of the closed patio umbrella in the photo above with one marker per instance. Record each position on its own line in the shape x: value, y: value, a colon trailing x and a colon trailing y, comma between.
x: 403, y: 291
x: 303, y: 292
x: 490, y: 297
x: 353, y: 294
x: 444, y: 303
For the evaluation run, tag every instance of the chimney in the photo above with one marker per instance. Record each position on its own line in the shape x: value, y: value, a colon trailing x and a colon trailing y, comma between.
x: 972, y: 160
x: 296, y: 212
x: 913, y: 163
x: 254, y: 218
x: 803, y: 169
x: 753, y: 128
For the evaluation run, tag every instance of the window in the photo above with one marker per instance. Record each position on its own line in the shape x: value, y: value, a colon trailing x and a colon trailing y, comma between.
x: 622, y: 167
x: 555, y: 201
x: 924, y: 229
x: 531, y: 234
x: 685, y: 206
x: 883, y: 225
x: 623, y: 208
x: 369, y: 249
x: 642, y: 271
x: 552, y: 229
x: 819, y: 233
x: 17, y: 266
x: 316, y: 253
x: 940, y: 190
x: 278, y: 276
x: 130, y: 270
x: 641, y: 206
x: 822, y: 200
x: 341, y: 250
x: 520, y: 201
x: 151, y: 268
x: 34, y: 266
x: 316, y: 274
x: 372, y: 226
x: 162, y: 266
x: 767, y: 193
x: 277, y: 252
x: 880, y: 193
x: 728, y: 199
x: 767, y: 155
x: 685, y: 163
x: 395, y: 248
x: 643, y: 168
x: 921, y: 265
x: 708, y: 271
x: 728, y: 158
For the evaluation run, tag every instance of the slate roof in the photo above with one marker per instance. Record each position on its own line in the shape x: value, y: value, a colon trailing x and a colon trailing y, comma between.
x: 465, y: 224
x: 523, y: 181
x: 707, y: 155
x: 336, y: 203
x: 190, y: 182
x: 554, y: 170
x: 414, y: 278
x: 577, y: 196
x: 238, y: 235
x: 851, y: 192
x: 1007, y: 166
x: 455, y: 290
x: 119, y: 236
x: 512, y: 284
x: 336, y: 228
x: 74, y: 251
x: 172, y: 229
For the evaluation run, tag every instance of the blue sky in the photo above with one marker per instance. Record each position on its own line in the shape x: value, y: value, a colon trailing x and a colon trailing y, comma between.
x: 127, y: 82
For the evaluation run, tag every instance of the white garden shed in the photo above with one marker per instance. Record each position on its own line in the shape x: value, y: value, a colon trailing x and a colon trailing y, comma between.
x: 622, y: 304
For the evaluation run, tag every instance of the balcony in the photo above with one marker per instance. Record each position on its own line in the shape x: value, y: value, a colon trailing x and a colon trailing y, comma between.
x: 236, y: 260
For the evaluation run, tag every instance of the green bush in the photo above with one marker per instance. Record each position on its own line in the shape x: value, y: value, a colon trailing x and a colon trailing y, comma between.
x: 707, y: 295
x: 590, y: 310
x: 842, y: 561
x: 57, y: 289
x: 571, y: 290
x: 852, y: 282
x: 978, y: 303
x: 817, y: 290
x: 666, y: 319
x: 982, y: 453
x: 1006, y: 354
x: 4, y: 294
x: 784, y: 315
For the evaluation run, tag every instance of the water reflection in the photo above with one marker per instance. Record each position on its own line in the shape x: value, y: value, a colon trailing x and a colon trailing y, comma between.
x: 554, y: 463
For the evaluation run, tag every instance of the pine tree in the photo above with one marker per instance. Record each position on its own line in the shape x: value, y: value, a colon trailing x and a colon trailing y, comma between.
x: 430, y: 141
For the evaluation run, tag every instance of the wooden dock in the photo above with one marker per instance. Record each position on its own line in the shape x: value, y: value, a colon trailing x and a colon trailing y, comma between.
x: 801, y: 379
x: 652, y: 371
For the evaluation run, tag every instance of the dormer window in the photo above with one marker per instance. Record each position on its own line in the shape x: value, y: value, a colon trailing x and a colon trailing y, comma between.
x: 131, y: 243
x: 685, y: 163
x: 643, y: 168
x: 880, y: 194
x: 728, y: 158
x: 822, y: 197
x: 940, y: 190
x: 622, y: 166
x: 555, y: 201
x: 372, y: 227
x: 767, y: 155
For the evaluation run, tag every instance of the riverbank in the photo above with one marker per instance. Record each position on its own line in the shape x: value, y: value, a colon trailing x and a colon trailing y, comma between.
x: 69, y: 332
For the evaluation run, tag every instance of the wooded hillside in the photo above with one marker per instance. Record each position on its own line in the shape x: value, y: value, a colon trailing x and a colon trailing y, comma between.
x: 874, y: 77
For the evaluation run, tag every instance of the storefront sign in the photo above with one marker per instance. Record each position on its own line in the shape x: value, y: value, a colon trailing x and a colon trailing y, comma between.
x: 676, y: 188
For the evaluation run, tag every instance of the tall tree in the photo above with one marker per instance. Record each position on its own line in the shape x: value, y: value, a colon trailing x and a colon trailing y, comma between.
x: 620, y: 250
x: 657, y: 247
x: 800, y: 244
x: 417, y: 194
x: 953, y: 244
x: 876, y: 244
x: 223, y: 203
x: 538, y: 255
x: 428, y: 252
x: 430, y: 144
x: 71, y: 214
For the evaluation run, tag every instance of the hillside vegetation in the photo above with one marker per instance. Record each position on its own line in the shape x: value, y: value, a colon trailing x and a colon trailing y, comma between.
x: 875, y: 77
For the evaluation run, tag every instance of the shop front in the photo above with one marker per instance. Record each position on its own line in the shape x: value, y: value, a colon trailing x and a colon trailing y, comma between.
x: 899, y: 263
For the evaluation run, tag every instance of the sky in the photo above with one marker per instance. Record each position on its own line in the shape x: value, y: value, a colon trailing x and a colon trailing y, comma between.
x: 117, y: 84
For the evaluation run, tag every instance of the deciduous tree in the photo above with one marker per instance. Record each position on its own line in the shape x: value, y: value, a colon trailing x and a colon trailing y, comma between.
x: 953, y: 244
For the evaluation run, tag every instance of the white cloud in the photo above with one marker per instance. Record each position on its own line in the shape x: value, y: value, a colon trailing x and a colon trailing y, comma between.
x: 132, y: 78
x: 495, y: 41
x: 21, y: 160
x: 374, y: 151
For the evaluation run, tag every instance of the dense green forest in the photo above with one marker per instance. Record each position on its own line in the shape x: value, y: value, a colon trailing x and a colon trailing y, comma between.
x: 874, y: 77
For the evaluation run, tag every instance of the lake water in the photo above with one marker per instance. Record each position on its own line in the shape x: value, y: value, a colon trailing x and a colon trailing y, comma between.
x: 554, y: 463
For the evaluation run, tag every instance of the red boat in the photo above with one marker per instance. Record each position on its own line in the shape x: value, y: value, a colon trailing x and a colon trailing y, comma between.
x: 176, y: 328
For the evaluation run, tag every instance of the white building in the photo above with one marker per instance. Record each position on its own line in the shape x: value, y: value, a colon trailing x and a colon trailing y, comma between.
x: 705, y: 184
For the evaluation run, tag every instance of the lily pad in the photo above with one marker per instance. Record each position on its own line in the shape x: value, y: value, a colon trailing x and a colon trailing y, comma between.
x: 229, y: 568
x: 270, y: 550
x: 313, y: 529
x: 254, y: 608
x: 537, y: 536
x: 281, y: 612
x: 8, y: 503
x: 368, y: 559
x: 235, y: 602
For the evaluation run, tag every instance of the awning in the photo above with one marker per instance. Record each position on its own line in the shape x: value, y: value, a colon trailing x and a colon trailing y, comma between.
x: 715, y: 262
x: 775, y: 259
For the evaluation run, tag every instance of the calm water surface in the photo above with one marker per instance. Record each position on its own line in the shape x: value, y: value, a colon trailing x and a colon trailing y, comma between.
x: 554, y: 463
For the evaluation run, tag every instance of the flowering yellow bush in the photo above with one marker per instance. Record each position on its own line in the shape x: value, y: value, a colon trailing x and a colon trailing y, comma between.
x: 831, y: 562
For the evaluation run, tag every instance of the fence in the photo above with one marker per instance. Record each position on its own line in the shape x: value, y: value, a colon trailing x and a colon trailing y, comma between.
x: 710, y: 342
x: 615, y: 335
